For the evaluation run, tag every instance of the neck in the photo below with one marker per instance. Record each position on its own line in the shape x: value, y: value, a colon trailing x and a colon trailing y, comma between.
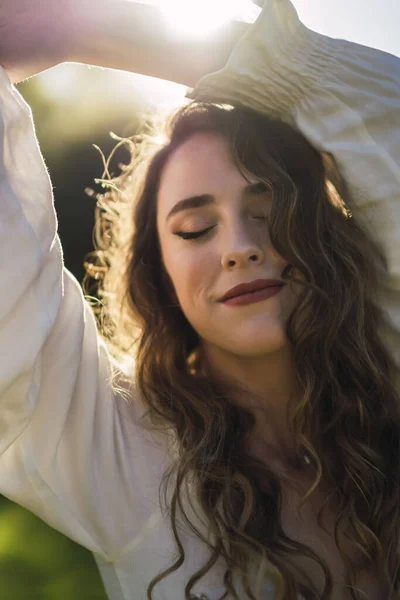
x: 267, y: 387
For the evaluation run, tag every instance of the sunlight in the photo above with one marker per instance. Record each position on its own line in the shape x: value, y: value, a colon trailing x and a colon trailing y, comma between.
x: 201, y: 17
x: 69, y: 83
x: 66, y: 83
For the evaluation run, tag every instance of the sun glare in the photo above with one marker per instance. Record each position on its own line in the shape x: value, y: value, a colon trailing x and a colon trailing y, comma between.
x: 187, y: 18
x: 200, y: 17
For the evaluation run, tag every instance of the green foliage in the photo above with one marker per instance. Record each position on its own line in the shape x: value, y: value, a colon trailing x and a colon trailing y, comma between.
x: 38, y: 563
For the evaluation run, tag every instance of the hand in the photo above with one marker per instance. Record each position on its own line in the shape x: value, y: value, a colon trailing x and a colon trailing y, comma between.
x: 36, y: 34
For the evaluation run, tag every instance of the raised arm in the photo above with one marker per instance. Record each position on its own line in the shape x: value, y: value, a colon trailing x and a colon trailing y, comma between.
x: 117, y: 34
x: 70, y: 449
x: 136, y: 37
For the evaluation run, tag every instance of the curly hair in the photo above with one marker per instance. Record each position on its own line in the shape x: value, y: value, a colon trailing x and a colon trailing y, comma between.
x: 347, y: 420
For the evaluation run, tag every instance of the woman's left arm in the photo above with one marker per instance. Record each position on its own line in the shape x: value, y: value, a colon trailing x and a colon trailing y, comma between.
x: 137, y: 37
x: 345, y: 98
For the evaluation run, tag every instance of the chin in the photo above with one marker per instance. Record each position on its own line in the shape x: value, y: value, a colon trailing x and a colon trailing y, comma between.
x: 251, y: 338
x: 257, y: 347
x: 258, y: 352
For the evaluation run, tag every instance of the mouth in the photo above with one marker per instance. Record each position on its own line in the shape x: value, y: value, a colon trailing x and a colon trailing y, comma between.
x: 250, y: 287
x: 251, y: 297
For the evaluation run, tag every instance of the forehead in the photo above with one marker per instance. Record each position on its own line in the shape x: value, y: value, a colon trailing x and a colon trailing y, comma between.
x: 205, y: 153
x: 202, y: 164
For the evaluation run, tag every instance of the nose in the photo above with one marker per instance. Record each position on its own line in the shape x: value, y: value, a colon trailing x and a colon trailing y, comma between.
x: 235, y: 259
x: 244, y: 245
x: 242, y: 248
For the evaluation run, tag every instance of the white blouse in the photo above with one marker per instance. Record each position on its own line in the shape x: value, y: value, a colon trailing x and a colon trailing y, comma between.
x: 71, y: 451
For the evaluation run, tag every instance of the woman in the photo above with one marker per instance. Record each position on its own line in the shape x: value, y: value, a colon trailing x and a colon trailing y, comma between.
x: 260, y: 417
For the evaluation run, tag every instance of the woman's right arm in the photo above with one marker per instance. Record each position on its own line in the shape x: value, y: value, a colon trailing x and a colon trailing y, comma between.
x: 70, y: 450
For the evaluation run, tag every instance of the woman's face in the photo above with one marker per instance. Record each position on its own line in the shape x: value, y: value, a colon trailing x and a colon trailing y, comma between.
x: 236, y: 249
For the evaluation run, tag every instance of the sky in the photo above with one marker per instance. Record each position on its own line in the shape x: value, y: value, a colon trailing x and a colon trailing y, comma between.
x: 372, y: 23
x: 369, y: 22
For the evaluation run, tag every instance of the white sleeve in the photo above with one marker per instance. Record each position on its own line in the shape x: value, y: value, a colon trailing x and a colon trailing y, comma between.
x: 69, y: 449
x: 345, y: 99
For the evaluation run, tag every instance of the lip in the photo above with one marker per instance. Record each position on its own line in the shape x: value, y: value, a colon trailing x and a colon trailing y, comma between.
x: 252, y: 297
x: 251, y: 286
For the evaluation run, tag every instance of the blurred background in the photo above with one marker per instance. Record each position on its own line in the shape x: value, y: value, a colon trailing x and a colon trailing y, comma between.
x: 74, y: 107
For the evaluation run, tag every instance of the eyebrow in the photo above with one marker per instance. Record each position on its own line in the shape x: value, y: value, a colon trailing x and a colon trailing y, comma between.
x: 254, y: 189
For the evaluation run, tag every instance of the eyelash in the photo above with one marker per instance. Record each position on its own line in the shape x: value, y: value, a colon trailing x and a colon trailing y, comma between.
x: 186, y: 235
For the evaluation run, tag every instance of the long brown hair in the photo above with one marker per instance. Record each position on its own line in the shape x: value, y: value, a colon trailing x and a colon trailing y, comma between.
x: 348, y: 418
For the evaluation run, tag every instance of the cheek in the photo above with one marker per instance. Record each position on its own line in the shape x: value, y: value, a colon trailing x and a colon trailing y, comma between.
x: 191, y: 273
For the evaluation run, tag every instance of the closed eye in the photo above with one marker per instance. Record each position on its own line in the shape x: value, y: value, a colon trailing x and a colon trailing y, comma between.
x: 192, y: 235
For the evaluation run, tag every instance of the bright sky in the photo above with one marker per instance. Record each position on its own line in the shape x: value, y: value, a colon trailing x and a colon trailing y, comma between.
x: 372, y: 23
x: 369, y: 22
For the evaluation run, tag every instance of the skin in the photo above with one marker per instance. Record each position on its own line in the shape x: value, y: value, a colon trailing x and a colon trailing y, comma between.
x: 117, y: 34
x: 246, y: 344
